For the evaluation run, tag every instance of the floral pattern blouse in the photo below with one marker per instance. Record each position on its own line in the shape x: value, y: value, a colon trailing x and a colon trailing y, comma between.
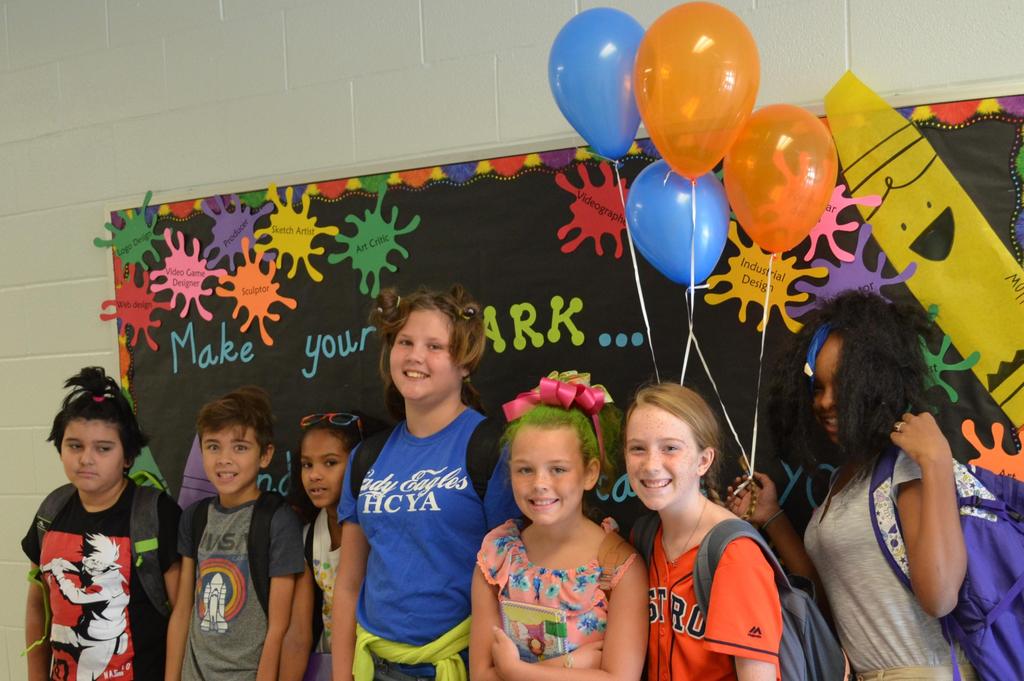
x: 581, y: 592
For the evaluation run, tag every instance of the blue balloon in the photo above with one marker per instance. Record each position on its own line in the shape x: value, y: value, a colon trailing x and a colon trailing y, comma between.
x: 660, y: 220
x: 590, y: 70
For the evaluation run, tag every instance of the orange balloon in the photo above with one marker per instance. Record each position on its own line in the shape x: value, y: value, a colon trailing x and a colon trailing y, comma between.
x: 780, y: 174
x: 696, y: 78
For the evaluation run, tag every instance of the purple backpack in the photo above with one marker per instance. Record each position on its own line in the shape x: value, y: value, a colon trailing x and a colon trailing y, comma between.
x: 988, y: 620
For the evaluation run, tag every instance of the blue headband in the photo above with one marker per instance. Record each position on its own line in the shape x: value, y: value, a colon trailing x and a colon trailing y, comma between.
x: 817, y: 340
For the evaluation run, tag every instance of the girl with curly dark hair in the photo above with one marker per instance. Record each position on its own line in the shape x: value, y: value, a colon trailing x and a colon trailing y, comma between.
x: 853, y: 381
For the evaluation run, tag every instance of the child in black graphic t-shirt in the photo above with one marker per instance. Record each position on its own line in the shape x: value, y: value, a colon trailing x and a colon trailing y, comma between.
x: 103, y: 624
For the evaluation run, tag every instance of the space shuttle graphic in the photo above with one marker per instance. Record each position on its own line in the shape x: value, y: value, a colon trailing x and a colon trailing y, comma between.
x: 927, y: 217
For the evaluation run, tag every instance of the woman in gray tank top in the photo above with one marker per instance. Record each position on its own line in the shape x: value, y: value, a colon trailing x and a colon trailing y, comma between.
x: 852, y: 385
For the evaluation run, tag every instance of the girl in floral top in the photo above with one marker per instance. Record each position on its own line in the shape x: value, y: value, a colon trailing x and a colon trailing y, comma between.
x: 558, y: 595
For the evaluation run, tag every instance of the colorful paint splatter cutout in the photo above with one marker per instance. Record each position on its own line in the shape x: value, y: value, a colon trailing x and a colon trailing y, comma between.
x: 374, y: 241
x: 183, y: 275
x: 937, y: 364
x: 134, y: 305
x: 597, y: 211
x: 828, y: 225
x: 291, y: 233
x: 134, y: 239
x: 994, y: 458
x: 746, y: 281
x: 230, y: 227
x: 849, y: 276
x: 255, y: 291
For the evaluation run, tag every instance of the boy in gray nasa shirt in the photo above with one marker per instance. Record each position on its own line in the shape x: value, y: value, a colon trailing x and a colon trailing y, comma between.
x: 219, y: 629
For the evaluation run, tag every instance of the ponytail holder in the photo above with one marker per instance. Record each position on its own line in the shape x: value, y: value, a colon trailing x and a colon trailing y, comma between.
x: 467, y: 312
x: 398, y: 301
x: 567, y: 390
x: 98, y: 398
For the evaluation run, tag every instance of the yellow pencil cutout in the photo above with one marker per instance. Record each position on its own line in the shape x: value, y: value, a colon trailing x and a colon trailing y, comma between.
x: 926, y: 217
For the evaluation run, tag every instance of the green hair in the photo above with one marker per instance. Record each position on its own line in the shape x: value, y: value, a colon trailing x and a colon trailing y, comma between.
x: 550, y: 418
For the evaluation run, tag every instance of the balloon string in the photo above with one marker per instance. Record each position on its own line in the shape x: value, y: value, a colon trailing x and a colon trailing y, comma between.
x: 636, y: 270
x: 760, y: 361
x: 721, y: 402
x: 690, y: 292
x: 690, y: 308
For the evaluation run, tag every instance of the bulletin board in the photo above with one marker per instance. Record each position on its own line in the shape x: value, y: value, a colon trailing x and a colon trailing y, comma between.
x: 273, y: 287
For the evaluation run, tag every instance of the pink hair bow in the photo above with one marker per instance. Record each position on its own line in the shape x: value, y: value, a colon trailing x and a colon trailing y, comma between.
x: 566, y: 390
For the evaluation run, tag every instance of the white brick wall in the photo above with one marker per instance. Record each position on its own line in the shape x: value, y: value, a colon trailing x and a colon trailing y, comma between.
x: 42, y: 31
x: 104, y: 99
x: 326, y: 43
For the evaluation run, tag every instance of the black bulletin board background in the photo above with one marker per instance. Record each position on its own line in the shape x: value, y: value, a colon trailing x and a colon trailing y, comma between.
x: 497, y: 233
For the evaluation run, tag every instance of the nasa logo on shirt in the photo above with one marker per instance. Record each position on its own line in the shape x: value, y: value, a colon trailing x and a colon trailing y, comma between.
x: 220, y: 593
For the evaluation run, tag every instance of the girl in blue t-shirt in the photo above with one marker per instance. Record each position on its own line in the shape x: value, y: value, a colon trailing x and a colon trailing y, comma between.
x: 411, y: 532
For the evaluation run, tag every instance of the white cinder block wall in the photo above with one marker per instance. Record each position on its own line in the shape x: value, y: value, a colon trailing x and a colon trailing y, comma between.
x: 104, y: 99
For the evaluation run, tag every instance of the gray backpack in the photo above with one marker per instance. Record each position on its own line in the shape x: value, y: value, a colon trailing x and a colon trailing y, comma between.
x: 808, y: 650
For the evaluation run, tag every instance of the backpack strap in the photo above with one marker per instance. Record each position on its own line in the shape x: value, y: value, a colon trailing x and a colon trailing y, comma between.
x: 885, y: 521
x: 259, y: 544
x: 52, y: 505
x: 613, y: 553
x: 482, y: 455
x: 200, y: 514
x: 710, y: 554
x: 318, y: 594
x: 483, y: 452
x: 144, y: 526
x: 144, y: 530
x: 365, y: 455
x: 645, y: 529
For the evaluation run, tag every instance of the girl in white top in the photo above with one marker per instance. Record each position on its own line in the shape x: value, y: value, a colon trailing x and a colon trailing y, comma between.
x: 854, y: 381
x: 327, y: 440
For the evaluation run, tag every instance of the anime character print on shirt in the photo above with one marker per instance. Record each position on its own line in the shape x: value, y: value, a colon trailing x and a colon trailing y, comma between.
x: 89, y: 593
x: 222, y: 584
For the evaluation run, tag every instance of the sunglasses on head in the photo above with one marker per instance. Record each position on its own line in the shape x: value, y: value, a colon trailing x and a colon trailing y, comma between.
x: 340, y: 419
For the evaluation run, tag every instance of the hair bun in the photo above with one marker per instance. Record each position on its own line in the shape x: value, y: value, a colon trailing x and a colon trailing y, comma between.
x: 93, y: 380
x: 388, y: 302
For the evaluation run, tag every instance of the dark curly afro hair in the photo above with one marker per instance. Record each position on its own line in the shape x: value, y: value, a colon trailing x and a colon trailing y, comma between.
x: 881, y: 375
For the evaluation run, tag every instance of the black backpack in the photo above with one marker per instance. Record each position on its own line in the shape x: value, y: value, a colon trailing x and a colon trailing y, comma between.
x: 808, y: 649
x: 482, y: 454
x: 258, y: 545
x: 144, y: 527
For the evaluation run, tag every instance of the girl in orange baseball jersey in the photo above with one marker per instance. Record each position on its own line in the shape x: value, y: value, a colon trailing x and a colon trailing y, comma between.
x: 568, y: 592
x: 672, y: 446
